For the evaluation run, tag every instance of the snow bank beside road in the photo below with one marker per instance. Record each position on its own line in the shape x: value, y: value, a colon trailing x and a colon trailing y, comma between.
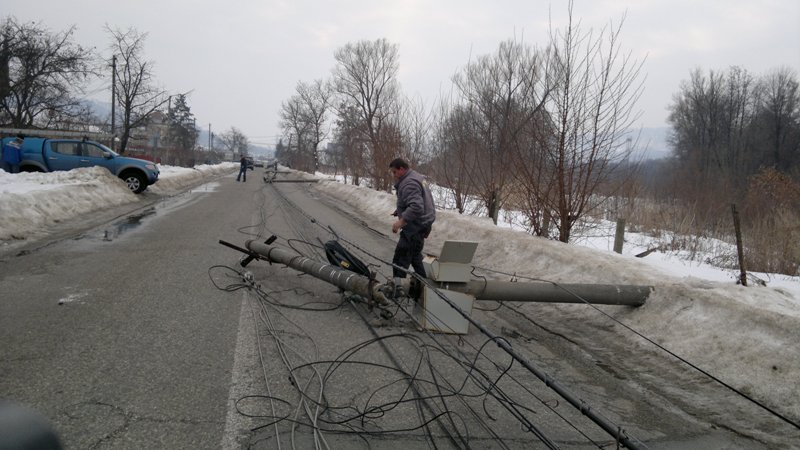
x: 174, y: 179
x: 745, y: 336
x: 30, y: 202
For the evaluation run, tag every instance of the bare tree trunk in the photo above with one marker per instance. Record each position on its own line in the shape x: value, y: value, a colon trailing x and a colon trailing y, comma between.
x: 590, y: 111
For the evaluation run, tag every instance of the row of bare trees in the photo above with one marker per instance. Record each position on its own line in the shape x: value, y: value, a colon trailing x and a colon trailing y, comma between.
x: 735, y: 138
x: 40, y: 74
x: 44, y: 76
x: 727, y: 126
x: 541, y: 129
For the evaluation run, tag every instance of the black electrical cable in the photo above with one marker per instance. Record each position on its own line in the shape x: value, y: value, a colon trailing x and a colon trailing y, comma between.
x: 313, y: 221
x: 671, y: 353
x: 316, y: 222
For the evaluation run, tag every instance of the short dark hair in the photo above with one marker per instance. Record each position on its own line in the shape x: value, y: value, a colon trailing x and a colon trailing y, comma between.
x: 398, y: 163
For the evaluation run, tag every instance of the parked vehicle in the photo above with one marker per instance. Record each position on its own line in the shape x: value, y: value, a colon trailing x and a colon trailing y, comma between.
x: 50, y: 155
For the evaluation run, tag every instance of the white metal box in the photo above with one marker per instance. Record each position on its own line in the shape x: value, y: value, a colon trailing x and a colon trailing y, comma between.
x: 453, y: 263
x: 438, y: 315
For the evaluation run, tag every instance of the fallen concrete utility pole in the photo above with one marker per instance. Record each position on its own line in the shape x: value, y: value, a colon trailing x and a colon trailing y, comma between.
x: 341, y: 278
x: 270, y: 176
x: 435, y: 300
x: 598, y: 294
x: 630, y: 295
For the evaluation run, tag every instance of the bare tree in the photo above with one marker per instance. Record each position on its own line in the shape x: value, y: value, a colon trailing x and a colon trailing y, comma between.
x: 455, y: 144
x: 137, y: 96
x: 416, y: 121
x: 304, y: 118
x: 42, y: 73
x: 296, y: 128
x: 710, y: 117
x: 501, y: 92
x: 365, y: 76
x: 349, y: 134
x: 235, y: 141
x: 316, y: 98
x: 777, y: 120
x: 590, y: 112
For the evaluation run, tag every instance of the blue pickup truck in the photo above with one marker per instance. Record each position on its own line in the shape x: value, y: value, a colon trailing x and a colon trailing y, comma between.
x: 49, y: 155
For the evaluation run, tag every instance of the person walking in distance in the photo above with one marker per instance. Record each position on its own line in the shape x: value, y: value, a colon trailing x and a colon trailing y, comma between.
x: 415, y: 216
x: 242, y: 169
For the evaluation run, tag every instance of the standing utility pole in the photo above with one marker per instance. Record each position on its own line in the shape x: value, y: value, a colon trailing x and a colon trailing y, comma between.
x: 209, y: 138
x: 113, y: 100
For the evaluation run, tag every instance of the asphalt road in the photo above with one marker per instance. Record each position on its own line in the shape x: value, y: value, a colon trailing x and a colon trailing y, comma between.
x: 144, y: 332
x: 116, y: 334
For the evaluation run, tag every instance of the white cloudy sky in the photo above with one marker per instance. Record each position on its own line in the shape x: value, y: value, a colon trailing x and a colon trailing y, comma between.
x: 242, y: 58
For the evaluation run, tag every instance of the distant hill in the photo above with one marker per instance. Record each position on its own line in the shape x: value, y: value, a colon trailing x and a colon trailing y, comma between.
x: 653, y: 143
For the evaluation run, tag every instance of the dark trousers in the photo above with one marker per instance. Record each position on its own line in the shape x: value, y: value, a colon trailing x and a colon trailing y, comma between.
x: 409, y: 250
x: 243, y: 174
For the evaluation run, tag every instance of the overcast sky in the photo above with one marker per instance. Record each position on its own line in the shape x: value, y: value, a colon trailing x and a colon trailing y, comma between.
x: 242, y: 58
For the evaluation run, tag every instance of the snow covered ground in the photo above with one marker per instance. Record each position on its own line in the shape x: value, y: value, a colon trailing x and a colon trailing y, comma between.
x: 747, y: 336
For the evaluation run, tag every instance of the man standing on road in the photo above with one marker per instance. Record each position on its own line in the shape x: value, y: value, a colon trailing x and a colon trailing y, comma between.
x: 12, y: 155
x: 415, y: 215
x: 242, y: 169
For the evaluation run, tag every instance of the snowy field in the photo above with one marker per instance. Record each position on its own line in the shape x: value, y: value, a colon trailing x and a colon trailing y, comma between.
x: 747, y: 336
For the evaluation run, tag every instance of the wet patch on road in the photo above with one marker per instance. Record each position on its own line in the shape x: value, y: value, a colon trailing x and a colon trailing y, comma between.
x: 128, y: 224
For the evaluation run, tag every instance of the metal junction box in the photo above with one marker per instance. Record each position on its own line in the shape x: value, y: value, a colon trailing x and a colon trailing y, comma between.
x: 438, y: 315
x: 453, y: 265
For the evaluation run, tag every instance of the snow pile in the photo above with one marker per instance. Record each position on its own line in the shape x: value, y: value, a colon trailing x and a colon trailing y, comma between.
x: 751, y: 332
x: 173, y: 179
x: 31, y: 201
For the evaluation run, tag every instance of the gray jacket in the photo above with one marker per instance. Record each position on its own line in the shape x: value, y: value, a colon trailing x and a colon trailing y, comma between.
x: 414, y: 199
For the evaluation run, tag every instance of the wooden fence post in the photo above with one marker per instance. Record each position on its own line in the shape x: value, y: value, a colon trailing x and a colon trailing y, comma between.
x: 619, y: 237
x: 739, y: 247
